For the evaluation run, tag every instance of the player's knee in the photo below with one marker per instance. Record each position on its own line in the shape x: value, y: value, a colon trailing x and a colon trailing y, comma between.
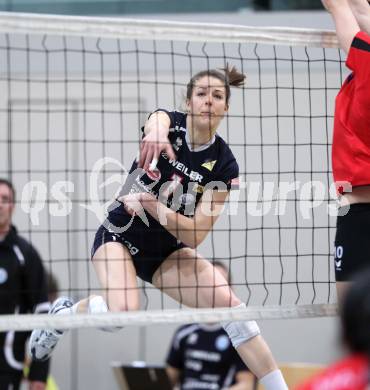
x: 241, y: 331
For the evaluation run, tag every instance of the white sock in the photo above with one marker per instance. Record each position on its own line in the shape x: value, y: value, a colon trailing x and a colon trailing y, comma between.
x: 274, y: 380
x: 97, y: 305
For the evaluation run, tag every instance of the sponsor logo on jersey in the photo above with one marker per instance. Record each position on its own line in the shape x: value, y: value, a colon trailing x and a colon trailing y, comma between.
x: 178, y: 143
x: 155, y: 174
x: 222, y: 342
x: 192, y: 339
x: 209, y: 165
x: 3, y: 275
x: 194, y: 365
x: 186, y: 199
x: 199, y: 189
x: 171, y: 185
x: 204, y: 355
x: 193, y: 175
x: 142, y: 186
x: 338, y: 254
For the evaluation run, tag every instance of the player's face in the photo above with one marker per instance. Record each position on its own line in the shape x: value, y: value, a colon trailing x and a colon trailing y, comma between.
x: 6, y: 206
x: 207, y: 104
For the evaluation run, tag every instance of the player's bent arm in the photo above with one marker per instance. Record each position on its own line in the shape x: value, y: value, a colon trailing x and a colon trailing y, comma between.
x: 361, y: 11
x: 345, y: 22
x: 158, y: 122
x: 156, y: 131
x: 245, y: 380
x: 173, y: 375
x: 190, y: 231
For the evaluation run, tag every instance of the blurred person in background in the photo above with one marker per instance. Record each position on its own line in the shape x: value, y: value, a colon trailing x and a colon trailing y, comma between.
x: 352, y: 372
x: 201, y: 356
x: 23, y: 289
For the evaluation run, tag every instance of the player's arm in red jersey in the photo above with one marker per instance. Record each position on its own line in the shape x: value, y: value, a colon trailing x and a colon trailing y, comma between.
x: 345, y: 22
x: 358, y: 61
x: 361, y: 11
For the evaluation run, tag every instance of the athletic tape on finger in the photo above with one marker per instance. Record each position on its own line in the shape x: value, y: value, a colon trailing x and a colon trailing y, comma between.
x: 153, y: 164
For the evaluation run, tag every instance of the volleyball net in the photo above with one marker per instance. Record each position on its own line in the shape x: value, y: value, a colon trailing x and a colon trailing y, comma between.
x: 75, y: 93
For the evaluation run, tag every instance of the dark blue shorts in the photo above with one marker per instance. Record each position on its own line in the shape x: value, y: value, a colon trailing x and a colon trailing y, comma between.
x: 148, y: 251
x: 352, y: 244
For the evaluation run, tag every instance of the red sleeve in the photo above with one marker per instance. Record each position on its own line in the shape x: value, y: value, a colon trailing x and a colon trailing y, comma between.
x: 353, y: 368
x: 358, y: 60
x: 359, y: 53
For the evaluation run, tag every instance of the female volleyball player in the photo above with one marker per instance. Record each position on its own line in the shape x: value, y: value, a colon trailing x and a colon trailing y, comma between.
x: 351, y: 143
x: 182, y: 195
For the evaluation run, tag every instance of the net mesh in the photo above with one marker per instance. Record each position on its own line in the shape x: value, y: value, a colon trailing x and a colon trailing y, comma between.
x: 76, y: 92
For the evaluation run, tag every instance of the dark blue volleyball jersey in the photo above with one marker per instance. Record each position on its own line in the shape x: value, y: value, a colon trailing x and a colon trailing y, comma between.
x: 205, y: 357
x: 179, y: 183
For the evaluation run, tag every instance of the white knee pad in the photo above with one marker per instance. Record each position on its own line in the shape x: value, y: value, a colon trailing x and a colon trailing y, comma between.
x: 241, y: 331
x: 97, y: 305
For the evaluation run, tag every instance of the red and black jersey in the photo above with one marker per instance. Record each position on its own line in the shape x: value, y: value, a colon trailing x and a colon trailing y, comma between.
x: 351, y: 143
x: 351, y: 373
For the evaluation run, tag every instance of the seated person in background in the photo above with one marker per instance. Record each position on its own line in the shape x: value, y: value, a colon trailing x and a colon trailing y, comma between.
x: 202, y: 357
x: 352, y: 372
